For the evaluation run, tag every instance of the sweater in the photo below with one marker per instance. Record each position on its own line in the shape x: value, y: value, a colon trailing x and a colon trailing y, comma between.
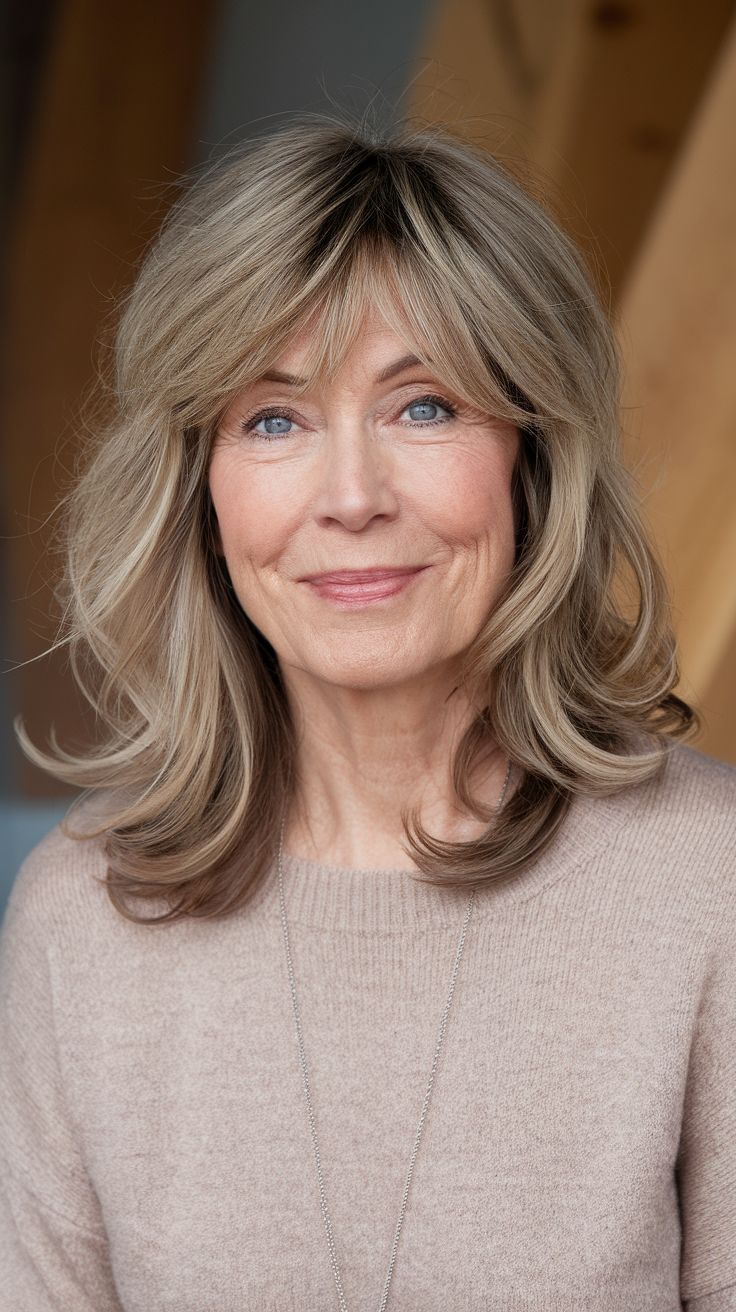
x: 580, y: 1146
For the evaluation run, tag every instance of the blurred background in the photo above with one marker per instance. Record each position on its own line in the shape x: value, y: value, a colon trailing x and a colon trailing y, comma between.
x: 622, y: 115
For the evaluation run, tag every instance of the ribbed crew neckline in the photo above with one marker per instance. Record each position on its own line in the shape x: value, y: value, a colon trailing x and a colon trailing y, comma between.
x: 385, y: 902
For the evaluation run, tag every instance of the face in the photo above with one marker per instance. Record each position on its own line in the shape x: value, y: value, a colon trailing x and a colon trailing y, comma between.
x: 367, y: 524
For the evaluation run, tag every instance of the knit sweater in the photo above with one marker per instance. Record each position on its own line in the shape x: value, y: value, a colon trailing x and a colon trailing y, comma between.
x: 580, y: 1146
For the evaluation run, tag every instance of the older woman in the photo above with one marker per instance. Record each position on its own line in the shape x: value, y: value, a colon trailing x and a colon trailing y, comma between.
x: 392, y: 961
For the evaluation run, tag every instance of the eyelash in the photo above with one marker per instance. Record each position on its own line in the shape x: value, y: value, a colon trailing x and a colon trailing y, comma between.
x: 283, y: 412
x: 271, y: 412
x: 431, y: 399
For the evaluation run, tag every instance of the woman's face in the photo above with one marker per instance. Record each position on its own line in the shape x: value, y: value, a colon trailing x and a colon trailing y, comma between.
x: 367, y: 524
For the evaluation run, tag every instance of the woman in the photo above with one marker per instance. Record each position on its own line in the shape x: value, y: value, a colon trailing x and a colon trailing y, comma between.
x: 394, y: 965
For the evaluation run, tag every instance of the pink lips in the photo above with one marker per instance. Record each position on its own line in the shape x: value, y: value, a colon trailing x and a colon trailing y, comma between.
x: 361, y: 587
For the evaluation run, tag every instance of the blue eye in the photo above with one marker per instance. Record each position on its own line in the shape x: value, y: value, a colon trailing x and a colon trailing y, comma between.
x: 428, y: 410
x: 274, y: 425
x: 422, y: 411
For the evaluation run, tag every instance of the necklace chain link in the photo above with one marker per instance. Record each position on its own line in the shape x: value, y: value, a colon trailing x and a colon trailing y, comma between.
x: 308, y: 1095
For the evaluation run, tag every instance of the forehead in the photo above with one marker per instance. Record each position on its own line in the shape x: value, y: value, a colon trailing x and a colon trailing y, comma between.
x: 376, y: 354
x: 365, y: 323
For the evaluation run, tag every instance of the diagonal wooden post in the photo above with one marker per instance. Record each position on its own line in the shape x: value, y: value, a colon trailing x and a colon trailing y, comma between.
x: 678, y: 333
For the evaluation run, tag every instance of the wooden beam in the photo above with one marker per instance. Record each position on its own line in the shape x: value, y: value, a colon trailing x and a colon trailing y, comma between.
x: 114, y: 126
x: 719, y: 708
x: 592, y: 97
x: 645, y: 64
x: 485, y: 66
x: 678, y: 331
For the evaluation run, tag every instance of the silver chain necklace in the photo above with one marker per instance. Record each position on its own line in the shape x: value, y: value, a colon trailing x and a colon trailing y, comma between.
x: 430, y: 1084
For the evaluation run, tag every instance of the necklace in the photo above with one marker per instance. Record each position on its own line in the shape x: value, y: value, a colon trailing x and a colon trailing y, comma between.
x: 430, y: 1084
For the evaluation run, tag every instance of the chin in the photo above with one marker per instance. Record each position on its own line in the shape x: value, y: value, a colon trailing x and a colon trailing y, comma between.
x: 369, y: 666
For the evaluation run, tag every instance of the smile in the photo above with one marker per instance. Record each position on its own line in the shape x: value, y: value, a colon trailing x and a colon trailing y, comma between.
x: 362, y: 587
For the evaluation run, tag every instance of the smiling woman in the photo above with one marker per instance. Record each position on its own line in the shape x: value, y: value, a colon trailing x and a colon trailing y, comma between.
x: 358, y: 589
x: 433, y: 243
x: 368, y: 529
x: 368, y: 490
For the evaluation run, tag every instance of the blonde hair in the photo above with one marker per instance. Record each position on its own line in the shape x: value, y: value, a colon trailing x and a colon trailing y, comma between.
x: 577, y: 660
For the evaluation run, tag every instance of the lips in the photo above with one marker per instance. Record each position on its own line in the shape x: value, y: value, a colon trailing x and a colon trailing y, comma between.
x: 355, y: 587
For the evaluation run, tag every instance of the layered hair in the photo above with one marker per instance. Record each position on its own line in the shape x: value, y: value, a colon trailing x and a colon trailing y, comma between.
x: 576, y: 665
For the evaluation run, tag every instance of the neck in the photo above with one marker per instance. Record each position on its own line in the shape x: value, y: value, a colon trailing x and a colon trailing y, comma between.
x: 368, y: 759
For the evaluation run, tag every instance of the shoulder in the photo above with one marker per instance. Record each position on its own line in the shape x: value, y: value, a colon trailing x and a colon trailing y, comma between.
x: 57, y: 898
x: 689, y: 807
x: 61, y: 880
x: 61, y: 924
x: 59, y: 912
x: 704, y: 786
x: 669, y: 842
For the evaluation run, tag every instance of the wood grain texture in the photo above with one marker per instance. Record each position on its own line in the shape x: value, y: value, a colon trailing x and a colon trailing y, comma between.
x: 592, y: 99
x: 678, y: 332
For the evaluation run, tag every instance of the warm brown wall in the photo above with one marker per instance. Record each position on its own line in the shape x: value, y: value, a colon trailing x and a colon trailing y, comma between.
x: 113, y: 128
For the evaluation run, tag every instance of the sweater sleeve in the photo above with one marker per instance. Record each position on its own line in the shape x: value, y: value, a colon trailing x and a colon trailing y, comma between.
x: 707, y: 1158
x: 53, y: 1247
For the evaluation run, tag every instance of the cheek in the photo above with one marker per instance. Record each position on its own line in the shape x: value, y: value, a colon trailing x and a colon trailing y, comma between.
x: 256, y: 510
x: 466, y: 498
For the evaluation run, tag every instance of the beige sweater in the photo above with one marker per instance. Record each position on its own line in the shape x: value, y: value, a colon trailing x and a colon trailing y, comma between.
x: 580, y: 1148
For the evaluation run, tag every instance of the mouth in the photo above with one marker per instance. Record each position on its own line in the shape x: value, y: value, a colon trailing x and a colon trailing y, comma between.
x: 362, y: 587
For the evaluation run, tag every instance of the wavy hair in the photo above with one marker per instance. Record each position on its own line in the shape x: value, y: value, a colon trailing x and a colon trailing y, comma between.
x: 577, y: 660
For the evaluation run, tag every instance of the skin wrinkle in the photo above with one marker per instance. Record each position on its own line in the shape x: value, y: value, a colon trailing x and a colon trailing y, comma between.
x: 376, y: 692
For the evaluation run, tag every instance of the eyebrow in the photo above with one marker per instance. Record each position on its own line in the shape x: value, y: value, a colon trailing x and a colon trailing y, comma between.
x: 275, y: 376
x: 385, y: 376
x: 398, y: 367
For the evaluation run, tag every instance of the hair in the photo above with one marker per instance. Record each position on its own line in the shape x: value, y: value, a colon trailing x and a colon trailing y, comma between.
x: 576, y: 664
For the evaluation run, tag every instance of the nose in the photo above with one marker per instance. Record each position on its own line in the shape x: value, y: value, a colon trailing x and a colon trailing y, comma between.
x: 356, y: 486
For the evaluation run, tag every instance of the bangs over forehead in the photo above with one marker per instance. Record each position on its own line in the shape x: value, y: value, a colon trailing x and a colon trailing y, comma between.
x: 448, y: 257
x: 413, y: 302
x: 317, y: 228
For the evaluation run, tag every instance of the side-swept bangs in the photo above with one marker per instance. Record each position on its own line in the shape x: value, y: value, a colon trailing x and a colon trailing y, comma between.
x: 576, y: 665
